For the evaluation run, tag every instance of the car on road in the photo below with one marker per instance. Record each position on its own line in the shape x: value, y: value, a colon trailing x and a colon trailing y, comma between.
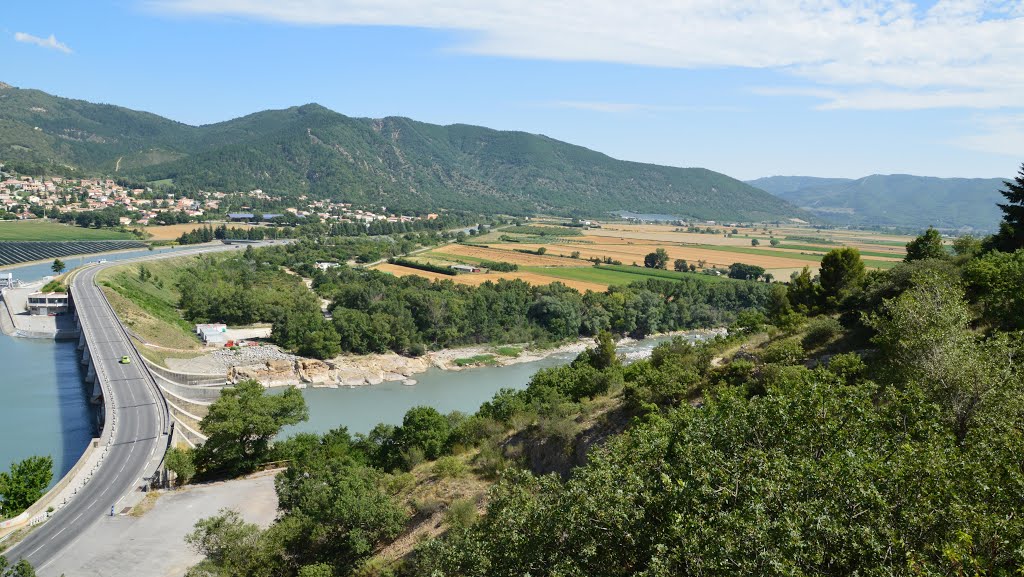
x: 125, y: 360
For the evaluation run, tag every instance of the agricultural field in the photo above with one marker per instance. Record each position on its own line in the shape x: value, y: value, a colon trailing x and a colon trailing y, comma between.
x: 474, y: 254
x: 480, y: 278
x: 628, y: 244
x: 31, y: 230
x: 174, y: 231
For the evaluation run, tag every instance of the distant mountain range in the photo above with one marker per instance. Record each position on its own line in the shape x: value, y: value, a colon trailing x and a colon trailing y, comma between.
x: 394, y: 162
x: 899, y: 200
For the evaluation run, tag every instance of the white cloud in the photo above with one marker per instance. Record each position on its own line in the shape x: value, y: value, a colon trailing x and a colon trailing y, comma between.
x: 862, y: 53
x: 50, y: 42
x: 1002, y: 134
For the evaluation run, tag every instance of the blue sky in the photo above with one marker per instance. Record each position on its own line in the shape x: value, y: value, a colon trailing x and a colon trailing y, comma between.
x: 823, y: 88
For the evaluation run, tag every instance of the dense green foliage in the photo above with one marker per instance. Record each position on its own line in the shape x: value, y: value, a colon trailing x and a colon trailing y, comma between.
x: 927, y: 245
x: 24, y: 484
x: 375, y: 312
x: 902, y: 200
x: 393, y: 162
x: 241, y: 424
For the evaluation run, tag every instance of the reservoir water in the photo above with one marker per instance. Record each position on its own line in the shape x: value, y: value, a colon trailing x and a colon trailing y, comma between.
x: 361, y: 408
x: 44, y: 409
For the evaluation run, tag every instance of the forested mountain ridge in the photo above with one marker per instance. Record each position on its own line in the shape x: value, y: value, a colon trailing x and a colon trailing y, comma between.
x: 892, y: 199
x: 394, y: 161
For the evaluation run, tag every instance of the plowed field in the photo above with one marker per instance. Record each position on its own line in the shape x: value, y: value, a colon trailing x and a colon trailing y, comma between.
x: 507, y: 255
x: 479, y: 279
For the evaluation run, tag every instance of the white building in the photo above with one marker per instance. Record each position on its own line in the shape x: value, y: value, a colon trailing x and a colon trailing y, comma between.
x: 212, y: 333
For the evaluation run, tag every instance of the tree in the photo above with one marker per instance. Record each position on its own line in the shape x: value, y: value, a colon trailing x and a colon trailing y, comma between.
x: 1011, y: 231
x: 425, y: 429
x: 842, y: 270
x: 182, y: 463
x: 656, y: 259
x: 542, y: 250
x: 925, y: 339
x: 58, y: 266
x: 20, y: 569
x: 754, y: 242
x: 775, y: 242
x: 927, y: 245
x: 743, y: 271
x: 25, y: 483
x: 240, y: 425
x: 967, y: 245
x: 680, y: 265
x: 804, y: 294
x: 232, y: 547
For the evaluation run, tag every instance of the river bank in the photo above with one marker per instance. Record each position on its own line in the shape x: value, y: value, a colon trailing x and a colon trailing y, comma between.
x: 274, y: 368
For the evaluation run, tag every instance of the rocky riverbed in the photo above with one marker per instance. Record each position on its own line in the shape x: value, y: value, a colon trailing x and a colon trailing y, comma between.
x: 274, y: 367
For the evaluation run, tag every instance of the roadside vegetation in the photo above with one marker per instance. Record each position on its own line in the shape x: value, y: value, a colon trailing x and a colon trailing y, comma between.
x: 24, y: 484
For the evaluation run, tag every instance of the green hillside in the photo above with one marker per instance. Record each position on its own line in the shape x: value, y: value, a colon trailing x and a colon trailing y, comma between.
x: 896, y: 199
x: 395, y: 162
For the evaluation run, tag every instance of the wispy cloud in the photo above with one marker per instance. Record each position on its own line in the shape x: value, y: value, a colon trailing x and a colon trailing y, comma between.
x: 50, y: 42
x: 626, y: 107
x: 860, y: 55
x: 1000, y: 134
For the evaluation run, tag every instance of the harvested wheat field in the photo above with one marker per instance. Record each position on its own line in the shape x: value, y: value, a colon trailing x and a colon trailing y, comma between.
x: 173, y: 231
x: 665, y: 234
x: 503, y: 255
x: 479, y: 279
x: 629, y: 254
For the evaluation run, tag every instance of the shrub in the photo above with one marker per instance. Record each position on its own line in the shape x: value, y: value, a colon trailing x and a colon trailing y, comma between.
x: 461, y: 514
x: 490, y: 461
x: 821, y: 331
x: 785, y: 352
x: 449, y: 468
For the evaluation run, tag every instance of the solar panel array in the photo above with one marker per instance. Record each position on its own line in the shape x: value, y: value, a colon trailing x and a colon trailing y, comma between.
x: 13, y: 252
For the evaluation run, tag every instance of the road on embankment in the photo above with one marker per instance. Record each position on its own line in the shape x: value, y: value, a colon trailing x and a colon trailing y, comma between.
x: 139, y: 427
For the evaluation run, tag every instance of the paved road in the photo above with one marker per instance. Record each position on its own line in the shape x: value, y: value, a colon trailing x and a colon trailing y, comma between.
x: 140, y: 424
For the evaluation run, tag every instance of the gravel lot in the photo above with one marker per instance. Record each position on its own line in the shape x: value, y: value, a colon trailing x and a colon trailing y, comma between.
x: 153, y: 545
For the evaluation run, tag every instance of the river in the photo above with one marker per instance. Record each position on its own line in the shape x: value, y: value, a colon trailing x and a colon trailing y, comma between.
x: 361, y: 408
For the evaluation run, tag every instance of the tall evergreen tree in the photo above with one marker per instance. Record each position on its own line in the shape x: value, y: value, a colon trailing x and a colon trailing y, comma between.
x: 1011, y: 231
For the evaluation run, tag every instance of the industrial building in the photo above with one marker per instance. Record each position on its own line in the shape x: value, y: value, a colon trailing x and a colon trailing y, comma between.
x: 40, y: 303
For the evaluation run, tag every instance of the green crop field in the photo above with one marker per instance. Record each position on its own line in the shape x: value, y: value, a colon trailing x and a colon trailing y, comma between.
x: 587, y: 274
x: 793, y: 255
x: 45, y: 230
x: 617, y: 275
x: 824, y: 249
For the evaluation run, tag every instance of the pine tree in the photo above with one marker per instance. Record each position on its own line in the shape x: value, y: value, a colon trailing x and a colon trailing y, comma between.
x: 1011, y: 231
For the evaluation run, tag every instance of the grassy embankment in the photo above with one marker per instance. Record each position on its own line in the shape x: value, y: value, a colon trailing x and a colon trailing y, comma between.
x: 31, y: 230
x: 149, y: 307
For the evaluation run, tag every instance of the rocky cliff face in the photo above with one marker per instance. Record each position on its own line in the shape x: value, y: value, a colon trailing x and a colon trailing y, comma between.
x: 369, y: 370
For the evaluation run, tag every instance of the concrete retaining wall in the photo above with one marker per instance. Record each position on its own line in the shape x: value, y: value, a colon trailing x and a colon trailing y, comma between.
x: 190, y: 379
